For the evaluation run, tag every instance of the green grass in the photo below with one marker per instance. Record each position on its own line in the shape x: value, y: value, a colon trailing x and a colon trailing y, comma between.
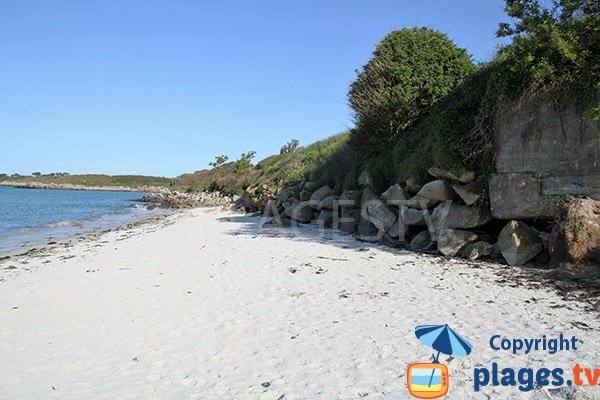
x: 276, y: 171
x: 299, y: 165
x: 96, y: 180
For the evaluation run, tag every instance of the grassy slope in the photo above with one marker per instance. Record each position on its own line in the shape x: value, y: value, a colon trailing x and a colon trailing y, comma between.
x: 276, y: 170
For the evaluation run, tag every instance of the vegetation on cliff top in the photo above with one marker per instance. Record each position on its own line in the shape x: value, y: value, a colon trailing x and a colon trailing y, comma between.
x: 411, y: 70
x: 421, y: 102
x: 293, y: 165
x: 555, y: 46
x: 554, y: 49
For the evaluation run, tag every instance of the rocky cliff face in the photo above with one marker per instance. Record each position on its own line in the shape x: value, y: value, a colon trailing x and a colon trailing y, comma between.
x: 545, y: 150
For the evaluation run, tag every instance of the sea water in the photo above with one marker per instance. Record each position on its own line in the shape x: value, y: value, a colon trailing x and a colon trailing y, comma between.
x: 31, y: 217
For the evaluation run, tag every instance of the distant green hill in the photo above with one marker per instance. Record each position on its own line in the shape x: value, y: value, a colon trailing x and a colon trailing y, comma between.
x: 132, y: 181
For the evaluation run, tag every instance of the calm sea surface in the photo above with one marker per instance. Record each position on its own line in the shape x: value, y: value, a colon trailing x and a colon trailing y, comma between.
x: 30, y: 217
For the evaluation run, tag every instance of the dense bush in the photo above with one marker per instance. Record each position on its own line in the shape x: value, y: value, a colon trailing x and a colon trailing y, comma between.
x: 341, y: 168
x: 448, y: 136
x: 410, y: 71
x: 553, y: 46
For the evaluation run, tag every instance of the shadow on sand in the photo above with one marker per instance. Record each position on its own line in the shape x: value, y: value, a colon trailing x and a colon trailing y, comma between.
x: 581, y: 284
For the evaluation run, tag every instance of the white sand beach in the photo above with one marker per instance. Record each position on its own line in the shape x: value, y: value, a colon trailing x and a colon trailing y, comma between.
x: 207, y: 305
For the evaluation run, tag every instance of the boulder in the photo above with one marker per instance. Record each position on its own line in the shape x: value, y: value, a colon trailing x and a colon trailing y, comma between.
x: 305, y: 195
x: 367, y: 195
x: 300, y: 212
x: 545, y: 237
x: 420, y: 242
x: 367, y: 232
x: 466, y: 193
x: 542, y: 258
x: 451, y: 241
x: 328, y: 202
x: 421, y: 203
x: 270, y: 207
x: 431, y: 194
x: 390, y: 241
x: 458, y: 216
x: 399, y: 230
x: 413, y: 185
x: 394, y: 195
x: 518, y: 243
x: 459, y: 174
x: 285, y: 194
x: 350, y: 198
x: 477, y: 250
x: 379, y: 214
x: 325, y: 219
x: 413, y: 217
x: 244, y: 202
x: 310, y: 186
x: 319, y: 195
x: 349, y: 219
x: 363, y: 179
x: 576, y: 236
x: 517, y: 196
x: 436, y: 190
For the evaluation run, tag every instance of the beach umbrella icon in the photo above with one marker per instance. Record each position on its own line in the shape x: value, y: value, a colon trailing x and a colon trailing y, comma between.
x: 444, y: 340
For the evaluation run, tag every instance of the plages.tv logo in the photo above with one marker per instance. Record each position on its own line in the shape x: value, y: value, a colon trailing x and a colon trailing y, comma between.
x: 430, y: 380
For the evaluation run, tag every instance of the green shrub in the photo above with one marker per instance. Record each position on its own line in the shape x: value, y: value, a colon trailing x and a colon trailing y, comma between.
x: 219, y: 160
x: 290, y: 146
x: 444, y: 138
x: 410, y: 71
x: 555, y: 45
x: 341, y: 168
x: 382, y: 172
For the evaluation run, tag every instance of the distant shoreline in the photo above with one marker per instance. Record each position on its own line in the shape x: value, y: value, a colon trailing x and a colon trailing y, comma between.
x: 69, y: 186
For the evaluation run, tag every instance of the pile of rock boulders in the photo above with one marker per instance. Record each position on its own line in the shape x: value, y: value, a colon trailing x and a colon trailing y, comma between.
x: 446, y: 215
x: 174, y: 199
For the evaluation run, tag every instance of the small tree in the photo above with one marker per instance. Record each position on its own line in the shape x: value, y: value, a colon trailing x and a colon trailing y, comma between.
x: 219, y: 160
x: 290, y: 146
x: 410, y: 71
x: 245, y: 161
x: 37, y: 174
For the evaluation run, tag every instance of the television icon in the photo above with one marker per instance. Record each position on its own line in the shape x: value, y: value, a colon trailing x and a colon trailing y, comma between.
x: 427, y: 380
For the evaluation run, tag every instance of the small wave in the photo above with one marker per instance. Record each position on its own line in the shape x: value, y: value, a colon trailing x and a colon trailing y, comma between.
x: 60, y: 224
x: 139, y: 206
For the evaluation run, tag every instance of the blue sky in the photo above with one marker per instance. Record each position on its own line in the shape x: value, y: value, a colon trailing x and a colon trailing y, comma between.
x: 161, y: 87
